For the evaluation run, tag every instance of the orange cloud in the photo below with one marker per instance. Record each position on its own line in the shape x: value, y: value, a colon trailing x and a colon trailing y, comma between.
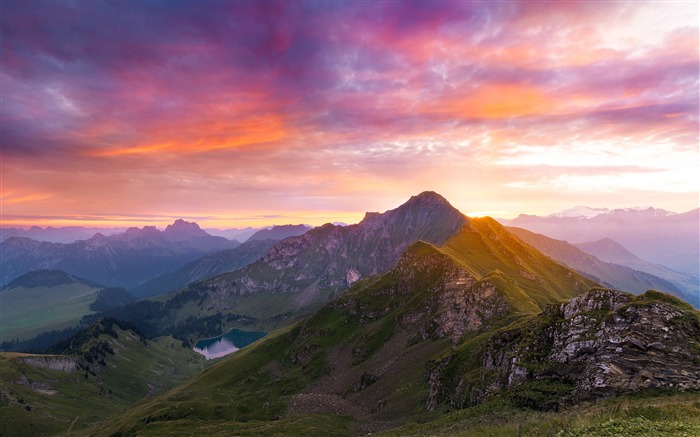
x: 499, y: 101
x: 13, y: 198
x: 215, y: 135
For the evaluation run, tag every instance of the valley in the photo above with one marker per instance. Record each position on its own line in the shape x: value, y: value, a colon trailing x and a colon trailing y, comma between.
x: 415, y: 319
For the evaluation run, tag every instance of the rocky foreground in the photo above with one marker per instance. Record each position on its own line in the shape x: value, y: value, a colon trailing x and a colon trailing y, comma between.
x: 603, y: 343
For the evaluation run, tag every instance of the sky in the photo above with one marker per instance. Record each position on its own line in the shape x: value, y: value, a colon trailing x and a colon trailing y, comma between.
x: 242, y: 113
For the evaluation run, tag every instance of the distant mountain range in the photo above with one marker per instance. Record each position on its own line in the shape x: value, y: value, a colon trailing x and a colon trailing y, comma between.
x: 241, y: 234
x: 655, y: 235
x: 622, y: 270
x: 126, y: 259
x: 219, y: 262
x: 68, y: 234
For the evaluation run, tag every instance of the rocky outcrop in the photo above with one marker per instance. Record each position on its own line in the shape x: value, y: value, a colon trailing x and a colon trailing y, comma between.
x: 63, y: 363
x: 453, y: 301
x: 600, y: 344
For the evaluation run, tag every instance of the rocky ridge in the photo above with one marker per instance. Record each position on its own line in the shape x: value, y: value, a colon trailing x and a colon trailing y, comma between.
x: 603, y: 343
x: 310, y: 269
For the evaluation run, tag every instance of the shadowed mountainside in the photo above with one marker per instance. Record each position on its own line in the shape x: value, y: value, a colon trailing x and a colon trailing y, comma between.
x: 126, y: 259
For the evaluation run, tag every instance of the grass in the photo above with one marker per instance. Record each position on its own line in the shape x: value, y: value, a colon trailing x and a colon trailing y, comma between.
x: 302, y: 425
x: 652, y: 414
x: 27, y: 312
x: 258, y: 383
x: 253, y: 392
x: 484, y: 247
x: 42, y: 401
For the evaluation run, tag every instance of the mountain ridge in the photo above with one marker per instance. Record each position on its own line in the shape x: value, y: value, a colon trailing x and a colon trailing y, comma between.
x: 303, y: 272
x: 614, y: 275
x: 429, y: 336
x: 670, y: 240
x: 219, y: 262
x: 124, y: 259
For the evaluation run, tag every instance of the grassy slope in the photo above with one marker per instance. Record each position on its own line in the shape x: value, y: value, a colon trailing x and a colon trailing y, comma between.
x: 38, y: 400
x: 260, y: 383
x: 253, y: 393
x: 484, y: 247
x: 651, y: 414
x: 26, y: 312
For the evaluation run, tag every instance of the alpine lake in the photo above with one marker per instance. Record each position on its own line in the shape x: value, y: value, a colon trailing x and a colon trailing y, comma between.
x: 227, y: 343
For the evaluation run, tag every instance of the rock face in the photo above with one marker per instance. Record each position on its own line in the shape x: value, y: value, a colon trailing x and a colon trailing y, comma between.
x: 279, y: 233
x: 452, y: 302
x: 603, y: 343
x: 62, y: 363
x: 207, y: 266
x: 338, y: 256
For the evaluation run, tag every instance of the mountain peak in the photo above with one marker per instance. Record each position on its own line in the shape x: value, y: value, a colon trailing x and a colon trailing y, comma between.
x: 428, y: 197
x: 183, y: 230
x: 279, y: 232
x: 47, y: 278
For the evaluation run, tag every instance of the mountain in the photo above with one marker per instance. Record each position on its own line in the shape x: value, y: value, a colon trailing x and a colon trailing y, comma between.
x: 127, y: 259
x: 48, y: 278
x: 181, y: 230
x: 609, y: 274
x: 298, y: 274
x: 220, y: 262
x: 302, y: 272
x: 51, y: 300
x: 612, y: 251
x: 279, y: 232
x: 94, y: 375
x: 609, y: 250
x: 586, y: 212
x: 656, y: 235
x: 68, y: 234
x: 234, y: 233
x: 430, y: 336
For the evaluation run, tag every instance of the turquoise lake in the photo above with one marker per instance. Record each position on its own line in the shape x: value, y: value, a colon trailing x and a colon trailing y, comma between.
x: 227, y: 343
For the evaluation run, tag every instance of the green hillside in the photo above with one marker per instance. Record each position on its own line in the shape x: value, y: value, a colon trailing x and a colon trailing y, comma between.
x: 51, y: 300
x: 28, y: 311
x: 484, y: 246
x: 106, y: 370
x: 363, y: 355
x: 444, y: 343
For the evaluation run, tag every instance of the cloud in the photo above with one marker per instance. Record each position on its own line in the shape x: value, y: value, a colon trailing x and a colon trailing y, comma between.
x: 190, y: 107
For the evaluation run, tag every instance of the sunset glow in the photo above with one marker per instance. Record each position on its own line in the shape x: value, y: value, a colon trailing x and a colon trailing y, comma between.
x: 259, y: 113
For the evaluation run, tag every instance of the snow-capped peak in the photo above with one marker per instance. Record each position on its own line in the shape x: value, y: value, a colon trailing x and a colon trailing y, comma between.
x: 580, y: 211
x: 587, y: 212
